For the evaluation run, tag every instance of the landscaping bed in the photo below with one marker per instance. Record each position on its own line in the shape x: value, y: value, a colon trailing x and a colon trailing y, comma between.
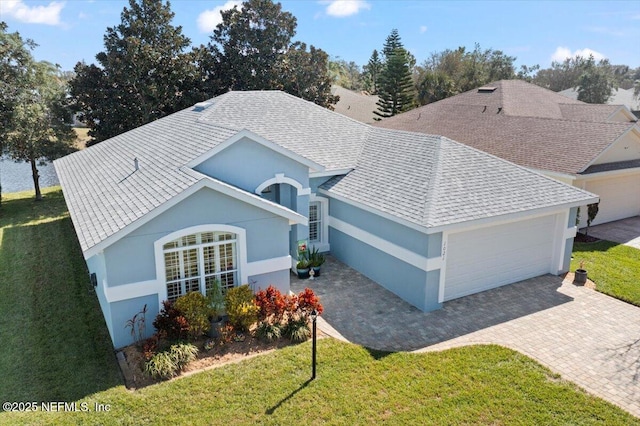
x: 224, y: 352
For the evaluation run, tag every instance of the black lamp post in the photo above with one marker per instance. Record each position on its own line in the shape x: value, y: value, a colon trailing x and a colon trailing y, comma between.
x: 314, y: 317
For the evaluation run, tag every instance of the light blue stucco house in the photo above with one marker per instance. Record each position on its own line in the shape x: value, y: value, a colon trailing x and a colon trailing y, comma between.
x: 225, y: 190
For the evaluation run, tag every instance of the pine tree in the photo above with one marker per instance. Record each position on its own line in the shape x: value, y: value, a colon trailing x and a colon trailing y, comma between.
x: 373, y: 70
x: 395, y: 87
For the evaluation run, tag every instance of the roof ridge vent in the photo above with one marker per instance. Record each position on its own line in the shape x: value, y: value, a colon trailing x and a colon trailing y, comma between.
x: 201, y: 106
x: 487, y: 89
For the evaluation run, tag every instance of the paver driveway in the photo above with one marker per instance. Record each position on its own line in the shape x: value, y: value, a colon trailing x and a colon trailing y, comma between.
x: 625, y: 231
x: 589, y: 338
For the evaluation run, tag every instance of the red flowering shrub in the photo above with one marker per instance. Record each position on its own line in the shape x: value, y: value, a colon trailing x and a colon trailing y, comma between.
x: 170, y: 323
x: 272, y: 304
x: 150, y: 347
x: 308, y: 301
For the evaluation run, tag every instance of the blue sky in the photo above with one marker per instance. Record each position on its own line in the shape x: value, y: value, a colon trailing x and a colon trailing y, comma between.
x: 534, y: 31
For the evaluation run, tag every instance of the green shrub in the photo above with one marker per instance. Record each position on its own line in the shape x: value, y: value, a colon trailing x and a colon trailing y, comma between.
x: 268, y: 332
x: 182, y: 354
x: 171, y: 323
x: 167, y: 364
x: 241, y: 307
x: 161, y: 366
x: 196, y: 309
x: 297, y: 330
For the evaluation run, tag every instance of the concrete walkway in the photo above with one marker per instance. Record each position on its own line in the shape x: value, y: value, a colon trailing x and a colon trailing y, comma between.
x: 589, y: 338
x: 625, y: 231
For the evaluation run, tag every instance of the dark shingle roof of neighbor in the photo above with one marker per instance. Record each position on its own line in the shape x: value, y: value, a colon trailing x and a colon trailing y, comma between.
x: 520, y: 122
x: 424, y: 179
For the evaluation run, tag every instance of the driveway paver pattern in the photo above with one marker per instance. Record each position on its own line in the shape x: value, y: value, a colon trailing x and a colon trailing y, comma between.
x: 589, y: 338
x: 625, y: 231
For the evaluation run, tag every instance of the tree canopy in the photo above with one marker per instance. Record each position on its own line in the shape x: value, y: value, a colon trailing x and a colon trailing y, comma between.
x: 595, y: 83
x: 450, y: 72
x: 252, y: 49
x: 143, y: 73
x: 395, y: 85
x: 249, y: 44
x: 35, y: 111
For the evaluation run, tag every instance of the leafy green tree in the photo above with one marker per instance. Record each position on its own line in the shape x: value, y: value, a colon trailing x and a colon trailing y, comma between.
x: 395, y: 88
x: 249, y: 44
x: 595, y: 84
x: 561, y: 75
x: 469, y: 69
x: 372, y: 71
x: 40, y: 127
x: 143, y: 74
x: 434, y: 86
x: 252, y: 49
x: 345, y: 74
x: 306, y: 75
x: 15, y: 61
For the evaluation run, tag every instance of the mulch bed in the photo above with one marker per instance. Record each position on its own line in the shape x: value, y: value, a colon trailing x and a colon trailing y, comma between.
x: 131, y: 360
x: 581, y: 238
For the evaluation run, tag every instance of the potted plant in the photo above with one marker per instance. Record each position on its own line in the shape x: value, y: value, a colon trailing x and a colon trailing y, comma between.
x: 316, y: 260
x: 216, y: 303
x: 302, y: 267
x: 581, y: 274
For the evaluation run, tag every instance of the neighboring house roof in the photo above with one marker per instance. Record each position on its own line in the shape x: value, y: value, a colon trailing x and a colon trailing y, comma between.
x: 432, y: 181
x: 620, y: 97
x: 507, y: 122
x: 358, y: 106
x: 424, y: 180
x: 514, y: 98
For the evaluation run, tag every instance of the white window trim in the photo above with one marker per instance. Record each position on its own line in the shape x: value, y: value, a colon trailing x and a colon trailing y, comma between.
x: 281, y: 178
x: 323, y: 245
x: 158, y: 245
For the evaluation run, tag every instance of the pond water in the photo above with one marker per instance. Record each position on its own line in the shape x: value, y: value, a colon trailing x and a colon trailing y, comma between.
x: 16, y: 177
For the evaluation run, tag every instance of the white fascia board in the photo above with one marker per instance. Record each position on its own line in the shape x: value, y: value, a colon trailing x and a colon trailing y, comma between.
x: 377, y: 212
x: 131, y: 291
x: 632, y: 128
x: 511, y: 217
x: 552, y: 174
x: 327, y: 173
x: 204, y: 182
x: 244, y: 133
x: 383, y: 245
x: 626, y: 111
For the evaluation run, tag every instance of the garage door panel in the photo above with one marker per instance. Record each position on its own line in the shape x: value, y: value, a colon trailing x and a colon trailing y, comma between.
x: 490, y: 257
x: 619, y: 198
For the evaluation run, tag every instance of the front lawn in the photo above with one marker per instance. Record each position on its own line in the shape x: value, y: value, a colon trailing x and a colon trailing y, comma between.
x: 470, y: 385
x: 54, y: 344
x: 615, y: 268
x: 54, y: 347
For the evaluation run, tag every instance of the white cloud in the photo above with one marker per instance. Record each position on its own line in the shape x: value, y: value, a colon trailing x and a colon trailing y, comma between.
x: 49, y: 15
x: 563, y: 53
x: 423, y: 29
x: 343, y: 8
x: 209, y: 19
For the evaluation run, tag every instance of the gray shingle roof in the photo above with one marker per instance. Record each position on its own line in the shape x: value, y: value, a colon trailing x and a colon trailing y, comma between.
x: 432, y: 181
x: 358, y: 106
x: 524, y: 134
x: 424, y: 179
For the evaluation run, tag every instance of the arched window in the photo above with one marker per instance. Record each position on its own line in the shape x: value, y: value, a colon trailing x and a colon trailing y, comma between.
x: 193, y: 262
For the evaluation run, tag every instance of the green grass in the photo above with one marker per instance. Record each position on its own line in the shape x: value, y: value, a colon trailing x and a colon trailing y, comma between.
x: 54, y: 347
x: 470, y: 385
x: 615, y: 268
x: 53, y: 339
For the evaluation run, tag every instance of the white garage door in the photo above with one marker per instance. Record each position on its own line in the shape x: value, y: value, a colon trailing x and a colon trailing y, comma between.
x: 619, y: 198
x: 490, y: 257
